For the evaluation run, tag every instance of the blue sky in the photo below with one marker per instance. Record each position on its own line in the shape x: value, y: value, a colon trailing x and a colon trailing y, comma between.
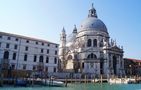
x: 45, y: 19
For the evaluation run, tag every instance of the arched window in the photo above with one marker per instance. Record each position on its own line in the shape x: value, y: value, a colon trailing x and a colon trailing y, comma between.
x: 41, y: 59
x: 89, y: 42
x: 95, y: 57
x: 95, y: 42
x: 55, y: 60
x: 92, y: 56
x: 101, y: 44
x: 25, y: 57
x: 89, y: 56
x: 14, y: 56
x: 47, y: 59
x: 69, y: 57
x: 83, y: 65
x: 6, y: 55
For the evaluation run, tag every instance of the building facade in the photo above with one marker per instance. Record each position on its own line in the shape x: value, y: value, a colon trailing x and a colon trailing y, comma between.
x: 24, y: 54
x: 89, y: 49
x: 132, y: 67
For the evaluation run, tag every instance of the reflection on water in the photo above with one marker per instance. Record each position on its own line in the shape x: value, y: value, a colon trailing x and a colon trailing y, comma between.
x: 77, y: 86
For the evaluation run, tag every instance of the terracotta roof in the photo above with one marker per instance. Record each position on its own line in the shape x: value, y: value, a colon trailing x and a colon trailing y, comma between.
x: 134, y: 60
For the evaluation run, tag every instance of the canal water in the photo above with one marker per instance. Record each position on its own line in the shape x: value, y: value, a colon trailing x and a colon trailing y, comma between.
x: 76, y: 86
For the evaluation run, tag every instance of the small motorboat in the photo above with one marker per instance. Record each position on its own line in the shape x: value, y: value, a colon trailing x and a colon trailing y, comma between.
x: 53, y: 83
x: 120, y: 81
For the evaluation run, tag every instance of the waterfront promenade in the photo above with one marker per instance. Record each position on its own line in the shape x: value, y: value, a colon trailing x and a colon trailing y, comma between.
x: 39, y: 82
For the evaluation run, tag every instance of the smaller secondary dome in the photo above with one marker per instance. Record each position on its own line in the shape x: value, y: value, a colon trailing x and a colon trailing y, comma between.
x: 72, y: 37
x: 93, y: 24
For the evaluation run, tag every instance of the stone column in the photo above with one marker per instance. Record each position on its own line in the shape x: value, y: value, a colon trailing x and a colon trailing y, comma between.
x: 123, y: 71
x: 119, y: 65
x: 111, y: 63
x: 107, y: 65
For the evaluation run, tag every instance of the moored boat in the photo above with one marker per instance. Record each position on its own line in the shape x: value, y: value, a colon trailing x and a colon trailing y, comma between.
x: 53, y: 83
x: 120, y: 81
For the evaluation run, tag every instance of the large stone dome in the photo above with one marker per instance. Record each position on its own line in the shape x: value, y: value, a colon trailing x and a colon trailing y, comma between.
x: 93, y: 23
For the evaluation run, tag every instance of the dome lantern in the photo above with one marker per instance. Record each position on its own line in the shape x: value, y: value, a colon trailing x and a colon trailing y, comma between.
x: 92, y: 22
x: 92, y: 12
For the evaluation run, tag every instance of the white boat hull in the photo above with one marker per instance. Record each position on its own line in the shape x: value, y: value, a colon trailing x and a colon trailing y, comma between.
x: 119, y: 81
x: 53, y: 83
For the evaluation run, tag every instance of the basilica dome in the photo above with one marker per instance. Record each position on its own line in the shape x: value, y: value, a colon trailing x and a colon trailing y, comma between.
x: 92, y: 22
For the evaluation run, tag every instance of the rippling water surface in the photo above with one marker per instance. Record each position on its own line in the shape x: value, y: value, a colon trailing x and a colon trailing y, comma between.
x: 76, y: 86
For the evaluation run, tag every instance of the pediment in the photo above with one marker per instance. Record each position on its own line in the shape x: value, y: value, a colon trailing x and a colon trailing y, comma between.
x: 115, y: 48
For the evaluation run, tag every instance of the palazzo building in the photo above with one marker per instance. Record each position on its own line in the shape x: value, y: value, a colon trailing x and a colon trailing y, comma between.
x: 132, y: 67
x: 26, y: 54
x: 89, y: 49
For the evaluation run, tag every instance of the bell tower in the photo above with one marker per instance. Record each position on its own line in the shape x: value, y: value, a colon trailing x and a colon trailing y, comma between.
x: 62, y: 49
x: 63, y: 38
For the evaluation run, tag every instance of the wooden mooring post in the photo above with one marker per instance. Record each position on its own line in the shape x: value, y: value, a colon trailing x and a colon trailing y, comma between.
x: 85, y: 78
x: 71, y: 79
x: 32, y: 82
x: 66, y: 81
x: 101, y: 79
x: 94, y: 78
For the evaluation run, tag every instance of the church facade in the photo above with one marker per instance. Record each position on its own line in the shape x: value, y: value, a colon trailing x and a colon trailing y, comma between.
x: 89, y: 49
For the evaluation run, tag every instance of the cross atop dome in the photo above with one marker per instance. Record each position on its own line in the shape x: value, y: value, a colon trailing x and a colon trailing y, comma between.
x: 92, y: 5
x: 92, y: 12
